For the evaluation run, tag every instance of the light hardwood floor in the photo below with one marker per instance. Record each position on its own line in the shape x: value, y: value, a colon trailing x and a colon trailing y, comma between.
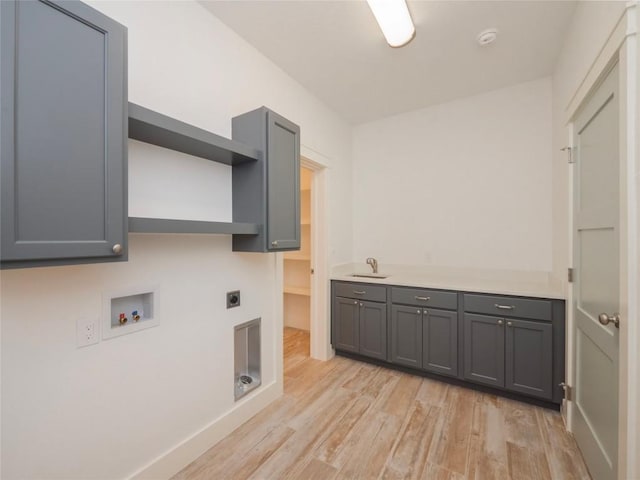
x: 344, y: 419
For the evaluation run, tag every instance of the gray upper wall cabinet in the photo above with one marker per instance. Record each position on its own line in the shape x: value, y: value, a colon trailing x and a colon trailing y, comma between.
x: 63, y: 130
x: 267, y: 192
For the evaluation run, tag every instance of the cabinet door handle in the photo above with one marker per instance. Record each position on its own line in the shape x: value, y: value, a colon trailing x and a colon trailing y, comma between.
x: 274, y: 243
x: 509, y: 324
x: 117, y: 249
x: 505, y: 307
x: 355, y: 302
x: 500, y: 322
x: 362, y: 304
x: 424, y: 299
x: 359, y: 292
x: 418, y: 311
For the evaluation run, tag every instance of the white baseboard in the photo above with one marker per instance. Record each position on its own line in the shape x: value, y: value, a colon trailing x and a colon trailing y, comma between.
x: 185, y: 452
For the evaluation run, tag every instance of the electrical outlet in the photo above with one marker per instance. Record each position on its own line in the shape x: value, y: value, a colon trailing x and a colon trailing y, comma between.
x: 86, y: 332
x: 233, y: 299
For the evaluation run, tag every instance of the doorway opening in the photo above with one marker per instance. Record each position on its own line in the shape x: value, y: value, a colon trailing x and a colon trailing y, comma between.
x: 297, y: 279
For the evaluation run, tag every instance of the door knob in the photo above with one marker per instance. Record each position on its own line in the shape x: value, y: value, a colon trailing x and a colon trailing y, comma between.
x: 274, y: 243
x: 605, y: 319
x: 117, y: 249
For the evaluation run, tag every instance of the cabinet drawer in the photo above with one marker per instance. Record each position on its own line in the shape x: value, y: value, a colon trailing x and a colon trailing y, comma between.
x: 535, y: 309
x: 363, y: 291
x: 425, y: 298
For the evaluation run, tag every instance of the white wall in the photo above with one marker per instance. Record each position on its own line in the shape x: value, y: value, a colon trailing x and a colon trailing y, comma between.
x: 462, y: 184
x: 107, y: 410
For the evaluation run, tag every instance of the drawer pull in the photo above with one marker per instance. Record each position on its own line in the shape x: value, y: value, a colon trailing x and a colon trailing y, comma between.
x: 359, y: 292
x: 424, y: 299
x: 504, y: 307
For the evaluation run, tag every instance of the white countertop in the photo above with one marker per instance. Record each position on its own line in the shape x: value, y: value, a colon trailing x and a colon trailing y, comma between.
x: 504, y: 282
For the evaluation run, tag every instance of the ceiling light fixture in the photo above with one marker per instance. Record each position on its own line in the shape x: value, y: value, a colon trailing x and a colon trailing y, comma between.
x: 395, y: 21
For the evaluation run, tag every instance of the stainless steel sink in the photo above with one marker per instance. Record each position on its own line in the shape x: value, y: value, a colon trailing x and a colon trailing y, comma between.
x: 368, y: 275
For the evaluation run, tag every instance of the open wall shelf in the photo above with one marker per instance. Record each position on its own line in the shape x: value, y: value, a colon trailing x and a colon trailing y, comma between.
x: 165, y: 225
x: 304, y: 291
x: 158, y: 129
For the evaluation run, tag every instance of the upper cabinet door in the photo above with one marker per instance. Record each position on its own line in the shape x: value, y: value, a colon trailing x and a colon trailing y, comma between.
x: 267, y: 192
x: 64, y: 132
x: 283, y: 180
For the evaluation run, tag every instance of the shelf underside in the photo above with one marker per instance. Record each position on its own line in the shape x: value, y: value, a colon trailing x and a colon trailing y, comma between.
x: 157, y: 129
x: 165, y: 225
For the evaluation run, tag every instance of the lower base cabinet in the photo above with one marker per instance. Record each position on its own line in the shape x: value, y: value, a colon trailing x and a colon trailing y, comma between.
x: 484, y: 349
x: 360, y: 326
x: 529, y: 358
x: 440, y: 341
x: 406, y: 336
x: 513, y: 344
x: 373, y: 329
x: 508, y: 353
x: 345, y: 325
x: 425, y: 338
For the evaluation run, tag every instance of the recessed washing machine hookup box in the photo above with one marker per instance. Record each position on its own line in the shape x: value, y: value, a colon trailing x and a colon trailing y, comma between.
x: 129, y: 311
x: 247, y: 373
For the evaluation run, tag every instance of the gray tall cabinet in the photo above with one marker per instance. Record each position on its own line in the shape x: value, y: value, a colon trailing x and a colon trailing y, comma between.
x: 63, y: 129
x: 359, y: 321
x: 267, y: 192
x: 424, y: 329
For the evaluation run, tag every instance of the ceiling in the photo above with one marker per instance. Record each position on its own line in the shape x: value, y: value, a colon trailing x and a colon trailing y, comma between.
x: 336, y: 50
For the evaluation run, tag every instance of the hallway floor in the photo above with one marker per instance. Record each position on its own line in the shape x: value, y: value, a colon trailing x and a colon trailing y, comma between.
x: 344, y: 419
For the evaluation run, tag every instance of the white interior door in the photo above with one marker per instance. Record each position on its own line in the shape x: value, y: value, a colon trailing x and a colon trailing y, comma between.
x: 596, y: 288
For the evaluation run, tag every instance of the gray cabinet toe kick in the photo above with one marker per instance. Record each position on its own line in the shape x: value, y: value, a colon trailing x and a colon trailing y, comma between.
x: 510, y: 345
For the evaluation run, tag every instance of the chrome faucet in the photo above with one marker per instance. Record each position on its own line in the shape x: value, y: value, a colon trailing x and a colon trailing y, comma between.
x: 374, y: 264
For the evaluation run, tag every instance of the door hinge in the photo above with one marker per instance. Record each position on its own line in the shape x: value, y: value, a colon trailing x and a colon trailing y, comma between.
x: 570, y: 275
x: 568, y: 391
x: 569, y: 151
